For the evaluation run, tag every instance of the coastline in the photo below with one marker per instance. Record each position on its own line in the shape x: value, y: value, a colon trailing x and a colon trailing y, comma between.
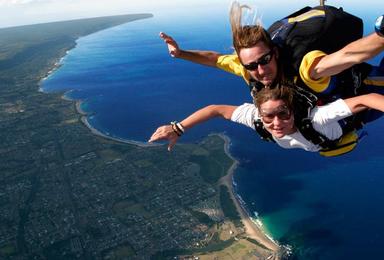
x: 84, y: 120
x: 84, y: 115
x: 251, y: 229
x: 57, y: 64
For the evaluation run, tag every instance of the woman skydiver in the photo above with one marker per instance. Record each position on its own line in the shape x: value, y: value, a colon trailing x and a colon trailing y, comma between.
x: 275, y: 107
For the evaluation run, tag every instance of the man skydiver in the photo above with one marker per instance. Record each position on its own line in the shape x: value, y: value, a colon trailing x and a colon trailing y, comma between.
x: 257, y: 58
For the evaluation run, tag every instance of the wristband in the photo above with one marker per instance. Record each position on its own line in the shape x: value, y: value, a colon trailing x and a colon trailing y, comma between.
x: 379, y: 26
x: 176, y: 129
x: 179, y: 127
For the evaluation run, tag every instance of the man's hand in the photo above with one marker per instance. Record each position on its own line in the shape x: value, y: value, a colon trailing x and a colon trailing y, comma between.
x: 173, y: 48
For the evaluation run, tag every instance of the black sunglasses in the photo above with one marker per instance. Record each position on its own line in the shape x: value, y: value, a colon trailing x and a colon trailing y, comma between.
x: 264, y: 60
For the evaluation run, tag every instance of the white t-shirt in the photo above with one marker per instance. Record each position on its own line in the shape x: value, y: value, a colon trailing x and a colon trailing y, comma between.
x: 324, y: 119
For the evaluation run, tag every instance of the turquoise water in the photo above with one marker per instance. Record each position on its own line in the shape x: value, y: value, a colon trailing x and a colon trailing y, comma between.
x: 326, y: 208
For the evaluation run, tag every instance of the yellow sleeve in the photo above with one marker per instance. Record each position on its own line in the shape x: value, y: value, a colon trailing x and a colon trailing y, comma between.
x: 319, y: 85
x: 231, y: 63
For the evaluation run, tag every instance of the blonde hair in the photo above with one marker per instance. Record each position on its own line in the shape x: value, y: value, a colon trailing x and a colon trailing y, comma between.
x: 246, y: 36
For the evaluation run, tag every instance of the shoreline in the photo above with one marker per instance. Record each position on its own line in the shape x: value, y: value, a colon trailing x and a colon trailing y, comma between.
x: 251, y: 229
x: 84, y: 120
x: 57, y: 63
x: 84, y: 115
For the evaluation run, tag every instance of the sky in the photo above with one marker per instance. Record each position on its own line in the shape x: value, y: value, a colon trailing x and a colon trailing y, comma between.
x: 21, y: 12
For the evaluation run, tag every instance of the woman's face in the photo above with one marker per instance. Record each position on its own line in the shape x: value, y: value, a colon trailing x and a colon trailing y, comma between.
x: 277, y: 118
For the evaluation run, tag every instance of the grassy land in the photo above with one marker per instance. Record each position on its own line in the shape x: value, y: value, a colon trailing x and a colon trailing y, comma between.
x: 215, y: 164
x: 228, y: 207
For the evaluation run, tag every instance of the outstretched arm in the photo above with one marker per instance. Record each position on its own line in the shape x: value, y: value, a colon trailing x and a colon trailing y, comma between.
x: 208, y: 58
x: 166, y: 132
x: 356, y: 52
x: 359, y: 103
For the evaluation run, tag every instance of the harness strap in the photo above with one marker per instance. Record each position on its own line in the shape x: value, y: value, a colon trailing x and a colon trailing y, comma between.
x: 346, y: 144
x: 309, y: 133
x: 255, y: 86
x: 263, y: 133
x: 339, y: 146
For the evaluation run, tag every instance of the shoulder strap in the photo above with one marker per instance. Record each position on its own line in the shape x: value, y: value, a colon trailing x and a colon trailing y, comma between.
x: 304, y: 102
x: 263, y: 133
x: 309, y: 133
x: 346, y: 143
x: 255, y: 86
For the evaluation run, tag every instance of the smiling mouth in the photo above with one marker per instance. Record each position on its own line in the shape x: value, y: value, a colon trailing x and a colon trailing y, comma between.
x: 267, y: 79
x: 279, y: 131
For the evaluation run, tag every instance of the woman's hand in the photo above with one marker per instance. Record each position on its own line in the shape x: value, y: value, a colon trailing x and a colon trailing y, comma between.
x: 165, y: 132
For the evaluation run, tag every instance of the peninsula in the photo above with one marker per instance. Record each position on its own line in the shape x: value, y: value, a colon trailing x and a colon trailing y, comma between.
x: 66, y: 192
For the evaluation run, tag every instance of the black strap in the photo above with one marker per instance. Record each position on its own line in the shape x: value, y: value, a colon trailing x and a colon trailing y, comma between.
x: 255, y: 86
x: 309, y: 133
x: 263, y: 133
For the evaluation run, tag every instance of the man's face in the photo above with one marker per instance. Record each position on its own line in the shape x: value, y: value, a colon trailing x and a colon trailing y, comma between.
x: 262, y: 61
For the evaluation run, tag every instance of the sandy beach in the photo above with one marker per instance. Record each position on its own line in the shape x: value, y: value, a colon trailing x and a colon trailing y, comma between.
x: 97, y: 132
x: 84, y: 120
x: 252, y: 230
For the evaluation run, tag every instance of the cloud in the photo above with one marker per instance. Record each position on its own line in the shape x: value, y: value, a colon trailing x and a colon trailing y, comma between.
x: 21, y: 2
x: 20, y: 12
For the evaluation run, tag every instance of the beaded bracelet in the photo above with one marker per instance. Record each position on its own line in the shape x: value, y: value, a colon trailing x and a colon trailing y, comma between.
x: 179, y: 127
x: 175, y: 129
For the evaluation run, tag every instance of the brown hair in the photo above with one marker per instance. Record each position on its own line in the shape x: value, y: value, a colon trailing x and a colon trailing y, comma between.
x: 279, y: 92
x: 246, y: 36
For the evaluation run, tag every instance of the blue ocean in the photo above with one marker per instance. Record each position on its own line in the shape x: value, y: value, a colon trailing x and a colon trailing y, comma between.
x: 325, y: 208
